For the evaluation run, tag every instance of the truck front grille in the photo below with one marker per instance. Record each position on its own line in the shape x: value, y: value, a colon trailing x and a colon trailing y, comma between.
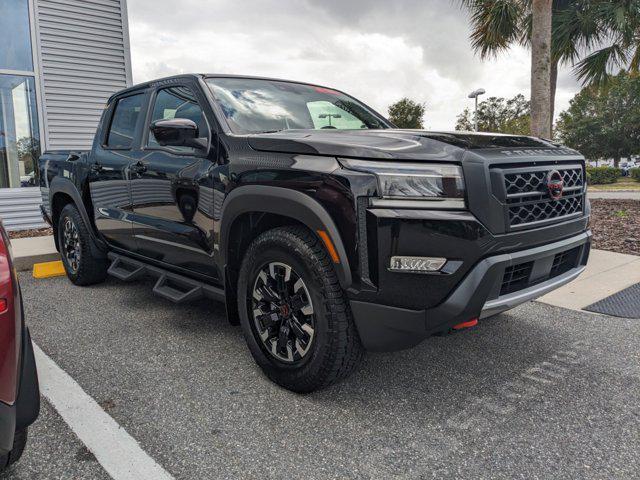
x: 527, y: 182
x: 525, y: 195
x: 544, y: 210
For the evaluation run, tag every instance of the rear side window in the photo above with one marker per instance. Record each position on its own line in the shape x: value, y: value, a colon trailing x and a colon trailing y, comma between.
x: 123, y: 122
x: 178, y: 102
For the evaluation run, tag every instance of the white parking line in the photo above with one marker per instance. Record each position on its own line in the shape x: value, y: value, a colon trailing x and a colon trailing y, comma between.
x: 117, y: 451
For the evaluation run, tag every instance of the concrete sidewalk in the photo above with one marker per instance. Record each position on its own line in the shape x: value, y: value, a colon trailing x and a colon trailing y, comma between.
x: 615, y: 195
x: 607, y: 273
x: 27, y: 251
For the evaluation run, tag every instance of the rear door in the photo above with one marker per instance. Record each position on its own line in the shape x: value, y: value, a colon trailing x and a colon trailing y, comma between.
x: 171, y: 187
x: 112, y: 153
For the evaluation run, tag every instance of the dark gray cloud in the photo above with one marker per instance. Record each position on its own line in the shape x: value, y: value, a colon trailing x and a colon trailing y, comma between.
x: 377, y: 50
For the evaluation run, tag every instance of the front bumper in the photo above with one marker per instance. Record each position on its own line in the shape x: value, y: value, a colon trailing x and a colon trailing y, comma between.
x: 480, y: 294
x: 26, y: 408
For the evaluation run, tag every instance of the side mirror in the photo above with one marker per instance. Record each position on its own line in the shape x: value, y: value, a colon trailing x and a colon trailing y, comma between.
x: 177, y: 132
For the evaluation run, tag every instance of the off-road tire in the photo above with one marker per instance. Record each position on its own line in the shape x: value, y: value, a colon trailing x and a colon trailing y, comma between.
x: 336, y: 350
x: 91, y: 269
x: 19, y: 442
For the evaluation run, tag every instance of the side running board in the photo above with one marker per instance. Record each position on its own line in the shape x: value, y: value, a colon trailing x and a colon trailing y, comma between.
x: 171, y: 286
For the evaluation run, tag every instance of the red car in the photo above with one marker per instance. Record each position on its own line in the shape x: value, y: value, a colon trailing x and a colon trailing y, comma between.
x: 19, y: 391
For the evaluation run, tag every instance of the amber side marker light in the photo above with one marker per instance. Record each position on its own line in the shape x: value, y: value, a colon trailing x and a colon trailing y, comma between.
x: 471, y: 323
x: 326, y: 239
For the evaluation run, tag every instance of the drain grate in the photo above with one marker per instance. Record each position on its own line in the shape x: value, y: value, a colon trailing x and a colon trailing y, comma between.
x: 625, y: 304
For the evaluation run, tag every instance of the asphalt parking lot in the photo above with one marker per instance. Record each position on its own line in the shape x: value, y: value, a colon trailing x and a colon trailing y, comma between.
x: 539, y: 392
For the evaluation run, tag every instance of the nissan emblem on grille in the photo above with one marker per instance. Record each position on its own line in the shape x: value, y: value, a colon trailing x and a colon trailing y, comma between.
x: 555, y: 184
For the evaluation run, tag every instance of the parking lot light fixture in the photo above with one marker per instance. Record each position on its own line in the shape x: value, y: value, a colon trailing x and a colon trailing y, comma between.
x: 475, y: 94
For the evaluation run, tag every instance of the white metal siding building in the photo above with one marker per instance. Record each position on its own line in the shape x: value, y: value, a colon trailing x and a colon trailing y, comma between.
x: 59, y: 62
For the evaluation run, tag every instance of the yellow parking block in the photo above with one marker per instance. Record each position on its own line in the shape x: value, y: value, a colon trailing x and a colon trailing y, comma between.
x: 48, y: 269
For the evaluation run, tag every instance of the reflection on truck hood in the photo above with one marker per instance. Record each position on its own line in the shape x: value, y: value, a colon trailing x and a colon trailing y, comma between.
x: 391, y: 143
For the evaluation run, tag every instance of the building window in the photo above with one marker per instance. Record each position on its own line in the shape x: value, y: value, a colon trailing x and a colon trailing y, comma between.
x: 19, y: 134
x: 15, y: 36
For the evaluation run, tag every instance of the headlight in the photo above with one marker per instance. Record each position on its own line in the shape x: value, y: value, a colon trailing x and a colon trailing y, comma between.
x: 414, y: 181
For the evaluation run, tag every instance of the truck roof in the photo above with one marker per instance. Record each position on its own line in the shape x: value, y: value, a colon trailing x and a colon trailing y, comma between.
x: 149, y: 83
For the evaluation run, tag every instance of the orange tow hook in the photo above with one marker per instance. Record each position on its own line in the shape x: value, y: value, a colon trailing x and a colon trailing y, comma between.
x: 471, y: 323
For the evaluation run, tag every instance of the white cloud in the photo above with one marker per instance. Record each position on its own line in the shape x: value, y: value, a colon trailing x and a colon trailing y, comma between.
x: 378, y: 51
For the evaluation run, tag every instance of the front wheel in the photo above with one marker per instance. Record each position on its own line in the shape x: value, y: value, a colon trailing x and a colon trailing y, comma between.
x: 294, y: 314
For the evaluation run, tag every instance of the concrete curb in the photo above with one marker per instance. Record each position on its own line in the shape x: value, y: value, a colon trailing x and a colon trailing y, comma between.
x: 28, y: 251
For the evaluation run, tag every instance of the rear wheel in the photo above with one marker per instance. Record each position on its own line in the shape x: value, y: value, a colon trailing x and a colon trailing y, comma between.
x: 81, y: 266
x: 293, y: 312
x: 19, y: 442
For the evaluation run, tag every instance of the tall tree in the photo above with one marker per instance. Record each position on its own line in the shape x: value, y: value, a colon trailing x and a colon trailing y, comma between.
x: 604, y: 121
x: 406, y: 113
x: 499, y: 115
x: 541, y: 68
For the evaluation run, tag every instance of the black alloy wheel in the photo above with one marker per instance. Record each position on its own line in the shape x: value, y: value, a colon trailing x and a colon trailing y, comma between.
x: 283, y: 312
x: 71, y: 248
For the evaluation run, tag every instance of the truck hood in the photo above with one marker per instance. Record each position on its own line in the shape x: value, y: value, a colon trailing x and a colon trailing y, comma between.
x: 393, y: 144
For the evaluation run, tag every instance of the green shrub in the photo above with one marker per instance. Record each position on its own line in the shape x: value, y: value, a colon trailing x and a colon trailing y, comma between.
x: 635, y: 174
x: 600, y: 175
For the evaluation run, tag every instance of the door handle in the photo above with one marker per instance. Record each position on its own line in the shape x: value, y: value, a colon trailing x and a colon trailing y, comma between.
x: 138, y: 167
x: 73, y: 157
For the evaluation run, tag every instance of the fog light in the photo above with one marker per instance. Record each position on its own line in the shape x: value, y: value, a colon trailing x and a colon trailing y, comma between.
x: 416, y: 264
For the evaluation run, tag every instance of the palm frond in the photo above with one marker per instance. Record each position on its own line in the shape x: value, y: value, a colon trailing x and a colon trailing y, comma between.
x: 576, y: 30
x: 594, y: 68
x: 495, y: 24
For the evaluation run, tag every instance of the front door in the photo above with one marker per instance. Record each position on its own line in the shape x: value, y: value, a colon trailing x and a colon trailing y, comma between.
x: 109, y: 165
x: 171, y: 189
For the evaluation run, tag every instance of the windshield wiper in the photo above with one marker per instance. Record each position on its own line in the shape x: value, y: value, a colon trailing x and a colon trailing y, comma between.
x: 273, y: 131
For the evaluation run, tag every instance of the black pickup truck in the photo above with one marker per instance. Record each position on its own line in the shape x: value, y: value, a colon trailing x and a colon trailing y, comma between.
x: 325, y: 230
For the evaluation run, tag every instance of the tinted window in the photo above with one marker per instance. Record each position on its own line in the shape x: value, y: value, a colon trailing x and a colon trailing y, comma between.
x: 123, y: 123
x: 15, y: 36
x: 178, y: 102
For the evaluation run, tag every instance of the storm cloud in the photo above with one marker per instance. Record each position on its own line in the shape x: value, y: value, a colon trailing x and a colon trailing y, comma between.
x: 379, y: 51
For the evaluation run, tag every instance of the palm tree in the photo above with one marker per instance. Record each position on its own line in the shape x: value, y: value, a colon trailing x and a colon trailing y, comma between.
x: 609, y: 29
x: 541, y: 119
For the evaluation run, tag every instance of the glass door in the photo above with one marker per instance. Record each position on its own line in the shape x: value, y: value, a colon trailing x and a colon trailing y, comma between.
x: 19, y: 133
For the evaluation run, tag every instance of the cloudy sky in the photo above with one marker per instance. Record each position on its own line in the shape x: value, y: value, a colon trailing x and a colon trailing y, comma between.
x: 377, y: 50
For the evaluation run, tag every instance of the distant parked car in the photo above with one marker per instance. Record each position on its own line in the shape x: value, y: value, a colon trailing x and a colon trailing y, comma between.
x: 625, y: 167
x: 19, y: 391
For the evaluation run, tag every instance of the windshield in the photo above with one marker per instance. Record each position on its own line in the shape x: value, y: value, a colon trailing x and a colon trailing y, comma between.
x: 259, y: 106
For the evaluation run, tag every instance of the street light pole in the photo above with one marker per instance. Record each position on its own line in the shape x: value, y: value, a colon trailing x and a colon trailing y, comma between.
x: 475, y: 94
